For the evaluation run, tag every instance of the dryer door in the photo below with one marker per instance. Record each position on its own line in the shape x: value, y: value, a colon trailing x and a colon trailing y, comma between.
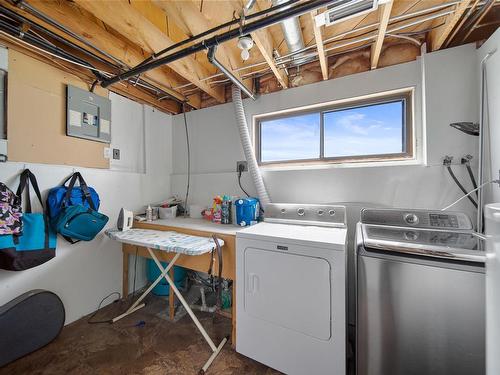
x: 289, y: 290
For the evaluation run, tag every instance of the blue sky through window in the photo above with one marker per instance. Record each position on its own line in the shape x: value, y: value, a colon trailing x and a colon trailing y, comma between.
x: 370, y: 130
x: 291, y: 138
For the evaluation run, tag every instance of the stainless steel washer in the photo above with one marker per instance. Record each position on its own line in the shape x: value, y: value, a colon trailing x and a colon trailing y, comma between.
x: 420, y: 300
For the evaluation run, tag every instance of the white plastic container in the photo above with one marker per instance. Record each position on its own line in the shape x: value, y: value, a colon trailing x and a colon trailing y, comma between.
x: 167, y: 213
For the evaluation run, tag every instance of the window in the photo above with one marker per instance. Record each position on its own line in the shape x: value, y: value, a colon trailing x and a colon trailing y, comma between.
x: 358, y: 130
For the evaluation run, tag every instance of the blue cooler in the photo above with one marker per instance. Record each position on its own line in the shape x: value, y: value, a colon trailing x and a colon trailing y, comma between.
x: 162, y: 288
x: 247, y: 211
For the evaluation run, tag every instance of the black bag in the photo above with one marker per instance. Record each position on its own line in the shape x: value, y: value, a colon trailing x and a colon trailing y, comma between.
x: 28, y: 323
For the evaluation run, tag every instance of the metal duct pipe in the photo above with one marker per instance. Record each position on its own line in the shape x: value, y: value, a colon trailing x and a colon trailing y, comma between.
x: 292, y: 33
x: 227, y: 73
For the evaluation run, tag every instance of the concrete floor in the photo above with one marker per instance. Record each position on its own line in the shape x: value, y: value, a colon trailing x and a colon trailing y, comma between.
x: 157, y: 347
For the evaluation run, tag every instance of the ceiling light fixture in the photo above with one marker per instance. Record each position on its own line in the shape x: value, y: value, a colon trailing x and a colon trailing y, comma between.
x: 245, y: 43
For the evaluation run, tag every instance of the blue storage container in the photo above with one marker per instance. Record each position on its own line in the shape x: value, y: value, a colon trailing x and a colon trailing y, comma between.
x: 162, y: 288
x: 247, y: 211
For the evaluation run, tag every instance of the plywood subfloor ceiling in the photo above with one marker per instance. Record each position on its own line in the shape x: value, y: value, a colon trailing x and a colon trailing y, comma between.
x: 125, y: 32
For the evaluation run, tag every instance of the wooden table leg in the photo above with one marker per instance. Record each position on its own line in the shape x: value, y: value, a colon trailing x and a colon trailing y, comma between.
x: 125, y: 274
x: 233, y: 316
x: 171, y: 297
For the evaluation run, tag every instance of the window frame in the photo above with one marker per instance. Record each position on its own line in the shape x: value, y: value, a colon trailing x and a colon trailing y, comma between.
x: 406, y: 95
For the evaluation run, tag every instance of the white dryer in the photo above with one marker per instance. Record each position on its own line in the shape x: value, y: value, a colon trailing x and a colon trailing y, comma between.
x: 291, y: 289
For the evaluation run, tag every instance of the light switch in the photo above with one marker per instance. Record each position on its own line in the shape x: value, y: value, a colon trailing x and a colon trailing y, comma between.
x: 107, y: 153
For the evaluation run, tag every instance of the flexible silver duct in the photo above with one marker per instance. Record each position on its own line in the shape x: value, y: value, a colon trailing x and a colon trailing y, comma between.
x: 293, y: 34
x: 246, y: 142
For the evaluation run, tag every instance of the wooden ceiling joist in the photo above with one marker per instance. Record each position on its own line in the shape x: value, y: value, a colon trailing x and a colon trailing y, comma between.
x: 68, y: 15
x: 189, y: 18
x: 264, y: 43
x: 130, y: 23
x: 482, y: 13
x: 439, y: 35
x: 318, y: 37
x: 385, y: 15
x: 126, y: 89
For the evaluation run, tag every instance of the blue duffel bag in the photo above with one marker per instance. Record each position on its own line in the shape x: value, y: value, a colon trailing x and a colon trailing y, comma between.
x: 84, y: 195
x: 76, y: 217
x: 37, y: 244
x: 80, y: 223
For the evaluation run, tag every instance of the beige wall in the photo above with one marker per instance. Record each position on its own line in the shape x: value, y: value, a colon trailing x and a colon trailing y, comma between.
x: 36, y: 116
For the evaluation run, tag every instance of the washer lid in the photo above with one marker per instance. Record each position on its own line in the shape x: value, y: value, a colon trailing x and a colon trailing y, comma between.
x: 304, y: 235
x: 450, y: 245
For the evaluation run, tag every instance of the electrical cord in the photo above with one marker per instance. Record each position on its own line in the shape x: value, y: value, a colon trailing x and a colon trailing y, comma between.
x: 240, y: 171
x: 460, y: 185
x: 90, y: 321
x: 469, y: 193
x: 188, y: 160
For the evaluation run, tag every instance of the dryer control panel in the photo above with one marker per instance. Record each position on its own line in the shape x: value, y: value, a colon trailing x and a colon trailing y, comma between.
x: 417, y: 219
x: 305, y: 214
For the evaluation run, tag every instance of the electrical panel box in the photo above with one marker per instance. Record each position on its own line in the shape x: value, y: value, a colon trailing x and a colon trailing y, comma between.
x: 88, y: 115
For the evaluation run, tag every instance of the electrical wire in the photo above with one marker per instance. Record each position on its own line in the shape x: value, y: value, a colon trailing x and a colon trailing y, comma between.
x: 90, y: 321
x: 469, y: 193
x: 20, y: 41
x: 188, y: 160
x: 239, y: 183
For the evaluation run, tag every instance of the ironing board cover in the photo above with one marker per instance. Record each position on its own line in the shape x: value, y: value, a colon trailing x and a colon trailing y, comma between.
x: 169, y: 241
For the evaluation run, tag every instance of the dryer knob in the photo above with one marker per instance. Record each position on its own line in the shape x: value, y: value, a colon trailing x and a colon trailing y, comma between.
x: 320, y: 212
x: 331, y: 212
x: 301, y: 212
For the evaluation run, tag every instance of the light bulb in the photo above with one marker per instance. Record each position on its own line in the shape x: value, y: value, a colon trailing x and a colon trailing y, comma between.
x: 245, y: 54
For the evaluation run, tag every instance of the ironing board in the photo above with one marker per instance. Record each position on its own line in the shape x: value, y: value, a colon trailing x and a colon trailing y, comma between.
x: 179, y: 244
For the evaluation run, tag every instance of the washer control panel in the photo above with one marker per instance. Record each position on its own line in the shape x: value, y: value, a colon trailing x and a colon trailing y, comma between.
x: 417, y: 219
x: 305, y: 214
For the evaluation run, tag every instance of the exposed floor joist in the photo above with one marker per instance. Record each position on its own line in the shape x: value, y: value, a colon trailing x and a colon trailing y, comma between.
x: 131, y: 30
x: 264, y: 44
x: 188, y: 16
x: 68, y: 15
x: 482, y: 13
x: 439, y: 35
x: 124, y: 88
x: 318, y: 36
x: 129, y: 22
x: 385, y: 15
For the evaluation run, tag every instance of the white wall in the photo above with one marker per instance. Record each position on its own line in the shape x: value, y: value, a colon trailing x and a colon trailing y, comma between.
x: 450, y: 96
x: 82, y: 274
x: 492, y: 123
x: 128, y: 135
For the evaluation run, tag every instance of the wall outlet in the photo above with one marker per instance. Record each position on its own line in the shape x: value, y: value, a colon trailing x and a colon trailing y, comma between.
x: 244, y: 164
x: 116, y: 154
